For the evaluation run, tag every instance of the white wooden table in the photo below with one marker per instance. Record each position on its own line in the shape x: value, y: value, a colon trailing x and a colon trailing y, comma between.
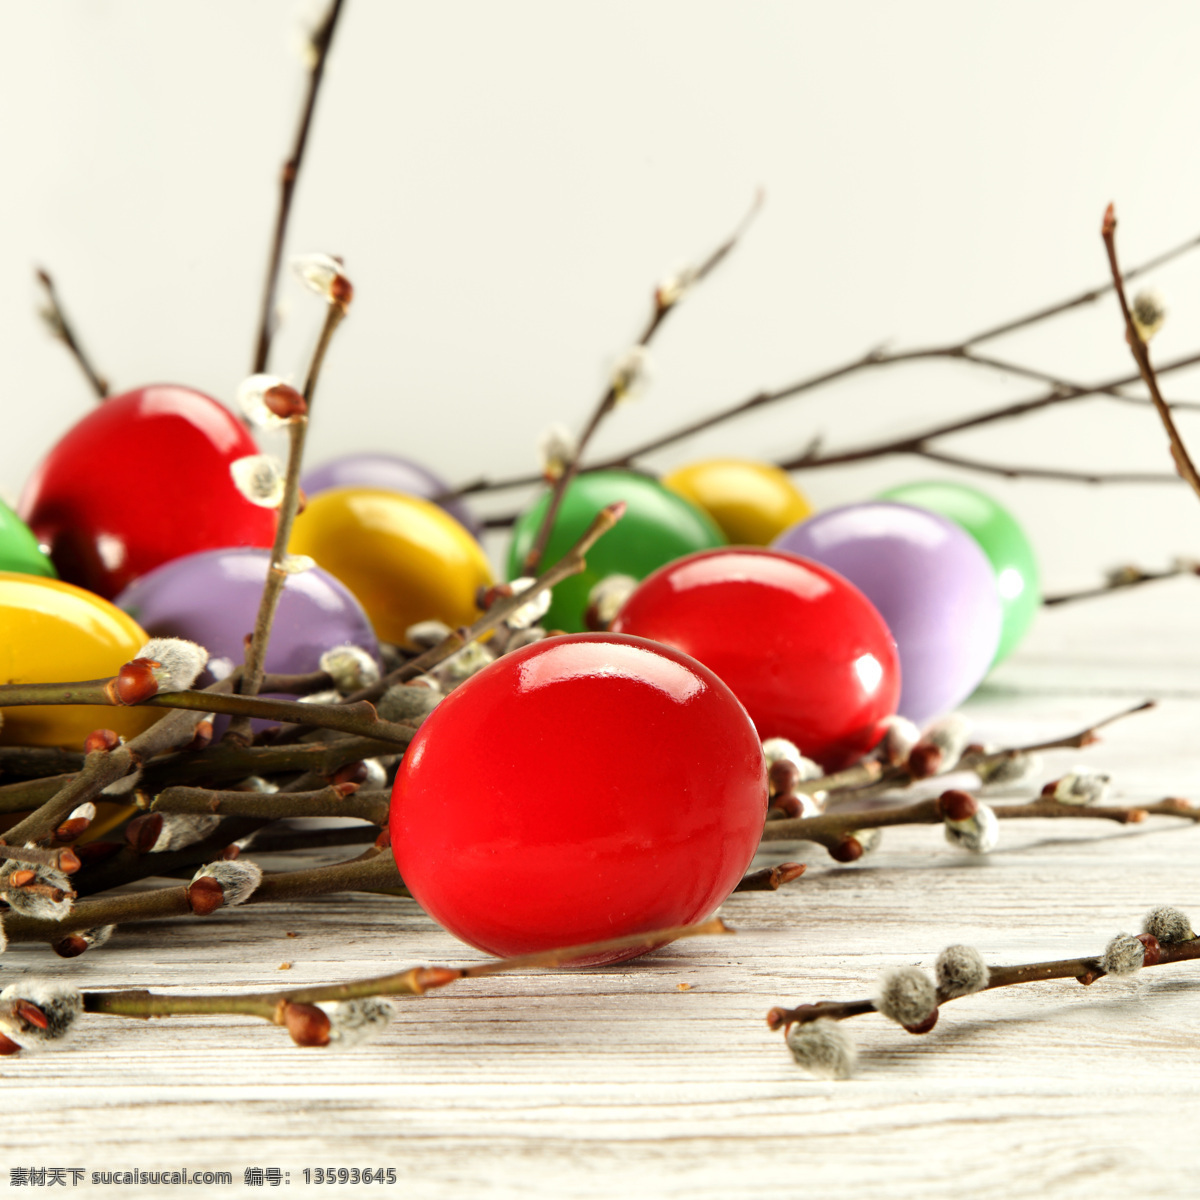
x: 659, y: 1078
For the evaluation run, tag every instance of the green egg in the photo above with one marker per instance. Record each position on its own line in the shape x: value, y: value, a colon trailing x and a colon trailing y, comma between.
x: 19, y: 549
x: 657, y: 528
x: 1001, y: 539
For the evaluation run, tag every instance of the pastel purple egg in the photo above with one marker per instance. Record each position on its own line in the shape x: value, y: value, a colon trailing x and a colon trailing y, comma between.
x: 212, y: 598
x: 931, y: 583
x: 387, y: 471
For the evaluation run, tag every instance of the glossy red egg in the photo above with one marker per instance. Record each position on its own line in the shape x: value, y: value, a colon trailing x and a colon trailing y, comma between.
x: 143, y: 479
x: 802, y: 648
x: 583, y: 787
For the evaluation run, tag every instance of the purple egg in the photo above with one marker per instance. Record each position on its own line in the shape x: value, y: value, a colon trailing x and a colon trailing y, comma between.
x: 931, y: 583
x: 212, y: 598
x: 387, y: 471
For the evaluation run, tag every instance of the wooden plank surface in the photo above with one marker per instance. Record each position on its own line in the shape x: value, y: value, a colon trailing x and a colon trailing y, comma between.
x: 659, y: 1077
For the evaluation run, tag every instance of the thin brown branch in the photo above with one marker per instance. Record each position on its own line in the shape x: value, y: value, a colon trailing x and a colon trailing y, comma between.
x: 665, y: 302
x: 56, y: 320
x: 1120, y: 580
x: 358, y: 718
x: 873, y: 358
x: 374, y: 874
x: 369, y: 806
x: 570, y: 564
x: 321, y: 39
x: 771, y: 879
x: 1141, y: 356
x: 871, y: 778
x: 414, y: 981
x: 1085, y: 970
x: 256, y: 651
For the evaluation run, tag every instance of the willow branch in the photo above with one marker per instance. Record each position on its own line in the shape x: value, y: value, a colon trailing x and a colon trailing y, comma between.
x: 871, y: 777
x: 320, y: 41
x: 570, y: 564
x: 877, y: 357
x: 665, y: 302
x: 1141, y: 356
x: 414, y: 981
x: 56, y: 319
x: 830, y: 829
x: 1118, y: 581
x: 369, y: 806
x: 374, y: 874
x: 1085, y: 970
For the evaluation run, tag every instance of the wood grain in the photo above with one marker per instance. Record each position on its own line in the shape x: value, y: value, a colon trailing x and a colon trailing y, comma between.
x: 620, y: 1082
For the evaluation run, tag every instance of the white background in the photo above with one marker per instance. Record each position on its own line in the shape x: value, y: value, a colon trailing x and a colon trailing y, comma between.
x: 507, y: 181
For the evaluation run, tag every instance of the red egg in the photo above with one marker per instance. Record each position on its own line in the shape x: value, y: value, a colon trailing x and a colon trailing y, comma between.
x: 583, y: 787
x: 143, y: 479
x: 802, y: 648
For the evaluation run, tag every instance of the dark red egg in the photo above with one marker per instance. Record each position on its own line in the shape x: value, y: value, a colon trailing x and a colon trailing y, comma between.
x: 802, y: 648
x: 143, y: 479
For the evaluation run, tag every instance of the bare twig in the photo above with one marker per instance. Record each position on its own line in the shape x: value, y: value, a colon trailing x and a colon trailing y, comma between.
x: 256, y: 651
x: 1141, y: 356
x: 321, y: 39
x: 413, y: 982
x: 1122, y: 578
x: 56, y: 321
x: 665, y: 302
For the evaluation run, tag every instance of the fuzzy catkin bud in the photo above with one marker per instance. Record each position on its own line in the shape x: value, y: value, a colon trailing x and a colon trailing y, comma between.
x: 179, y: 662
x: 606, y: 599
x: 352, y: 668
x: 1082, y: 786
x: 898, y: 742
x: 960, y: 970
x: 352, y: 1022
x: 533, y: 610
x: 43, y: 892
x: 556, y: 447
x: 260, y: 479
x: 978, y: 834
x: 458, y: 668
x: 823, y: 1048
x: 906, y: 995
x: 1149, y: 311
x: 424, y: 635
x: 947, y: 736
x: 180, y: 830
x: 1168, y: 925
x: 37, y: 1013
x: 1124, y: 955
x: 1011, y: 768
x: 406, y: 704
x: 630, y: 373
x: 319, y: 273
x: 238, y: 879
x: 267, y: 401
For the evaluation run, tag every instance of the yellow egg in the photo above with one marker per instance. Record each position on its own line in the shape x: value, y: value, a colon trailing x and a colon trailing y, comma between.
x: 404, y: 558
x: 52, y: 632
x: 752, y: 502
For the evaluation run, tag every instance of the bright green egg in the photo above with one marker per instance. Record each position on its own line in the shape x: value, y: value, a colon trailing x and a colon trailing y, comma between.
x: 19, y: 549
x: 657, y: 528
x: 1001, y: 539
